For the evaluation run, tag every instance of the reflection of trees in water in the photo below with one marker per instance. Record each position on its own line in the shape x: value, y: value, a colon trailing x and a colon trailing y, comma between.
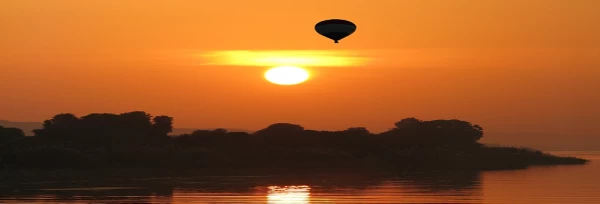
x: 134, y: 194
x: 94, y: 188
x: 463, y: 182
x: 145, y: 190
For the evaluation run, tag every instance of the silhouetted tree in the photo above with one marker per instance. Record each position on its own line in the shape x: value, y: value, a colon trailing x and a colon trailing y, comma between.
x: 357, y: 131
x: 63, y: 120
x: 457, y: 131
x: 408, y: 123
x: 102, y: 128
x: 282, y: 134
x: 281, y: 128
x: 62, y: 126
x: 411, y: 131
x: 136, y: 120
x: 163, y: 124
x: 10, y: 134
x: 106, y: 128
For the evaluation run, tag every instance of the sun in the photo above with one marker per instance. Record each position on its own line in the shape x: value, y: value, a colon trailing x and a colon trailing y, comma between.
x: 286, y: 75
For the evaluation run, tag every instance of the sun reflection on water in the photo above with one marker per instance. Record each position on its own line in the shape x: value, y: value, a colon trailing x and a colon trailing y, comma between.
x: 288, y: 195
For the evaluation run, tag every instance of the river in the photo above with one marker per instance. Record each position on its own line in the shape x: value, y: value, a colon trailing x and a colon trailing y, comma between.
x: 550, y: 184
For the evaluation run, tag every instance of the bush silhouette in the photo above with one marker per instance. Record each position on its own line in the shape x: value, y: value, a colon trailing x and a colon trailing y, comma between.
x: 10, y: 134
x: 106, y: 128
x: 411, y: 131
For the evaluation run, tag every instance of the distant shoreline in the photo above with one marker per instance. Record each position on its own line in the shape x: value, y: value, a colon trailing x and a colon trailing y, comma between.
x: 136, y: 140
x: 275, y: 160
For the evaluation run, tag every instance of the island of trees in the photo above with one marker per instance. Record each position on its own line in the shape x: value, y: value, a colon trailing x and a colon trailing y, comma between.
x: 138, y: 140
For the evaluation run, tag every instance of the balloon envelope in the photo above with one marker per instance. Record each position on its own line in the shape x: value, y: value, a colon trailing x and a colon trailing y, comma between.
x: 335, y: 29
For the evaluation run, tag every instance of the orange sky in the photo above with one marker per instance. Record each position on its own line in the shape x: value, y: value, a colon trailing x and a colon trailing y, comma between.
x: 527, y: 71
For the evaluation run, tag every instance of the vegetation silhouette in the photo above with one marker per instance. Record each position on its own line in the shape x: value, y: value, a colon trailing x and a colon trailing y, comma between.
x: 8, y: 135
x: 138, y: 140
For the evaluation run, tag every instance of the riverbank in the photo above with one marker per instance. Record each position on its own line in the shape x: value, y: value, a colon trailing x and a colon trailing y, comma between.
x: 271, y: 159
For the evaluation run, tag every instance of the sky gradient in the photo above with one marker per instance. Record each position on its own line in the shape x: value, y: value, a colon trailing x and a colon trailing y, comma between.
x: 527, y: 71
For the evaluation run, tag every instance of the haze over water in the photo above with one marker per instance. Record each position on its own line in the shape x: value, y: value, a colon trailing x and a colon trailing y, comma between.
x: 553, y: 184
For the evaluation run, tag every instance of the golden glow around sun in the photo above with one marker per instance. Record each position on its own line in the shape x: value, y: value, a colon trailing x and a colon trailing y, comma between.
x: 286, y: 75
x: 268, y: 58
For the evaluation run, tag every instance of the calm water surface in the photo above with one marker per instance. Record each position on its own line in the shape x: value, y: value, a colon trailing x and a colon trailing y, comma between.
x: 556, y: 184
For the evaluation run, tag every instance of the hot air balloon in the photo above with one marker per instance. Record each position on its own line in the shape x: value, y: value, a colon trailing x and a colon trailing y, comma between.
x: 335, y: 29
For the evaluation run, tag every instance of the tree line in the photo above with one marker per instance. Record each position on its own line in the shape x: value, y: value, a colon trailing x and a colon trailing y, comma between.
x: 139, y: 140
x: 141, y: 127
x: 136, y: 126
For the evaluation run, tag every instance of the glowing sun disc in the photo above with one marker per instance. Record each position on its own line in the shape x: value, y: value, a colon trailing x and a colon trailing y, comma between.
x: 286, y: 75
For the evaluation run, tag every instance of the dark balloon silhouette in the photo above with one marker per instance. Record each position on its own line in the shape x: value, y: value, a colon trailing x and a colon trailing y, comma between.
x: 335, y: 29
